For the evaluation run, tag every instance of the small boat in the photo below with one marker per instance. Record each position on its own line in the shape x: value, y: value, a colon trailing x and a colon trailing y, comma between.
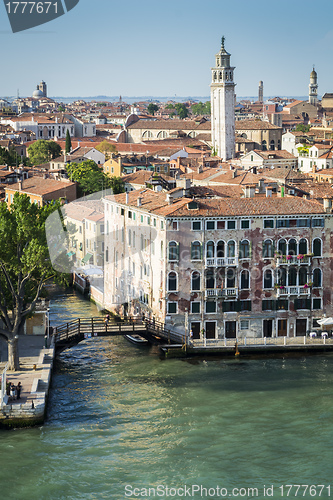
x: 136, y: 339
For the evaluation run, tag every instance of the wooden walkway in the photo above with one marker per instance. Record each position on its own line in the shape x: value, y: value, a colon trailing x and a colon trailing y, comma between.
x: 73, y: 332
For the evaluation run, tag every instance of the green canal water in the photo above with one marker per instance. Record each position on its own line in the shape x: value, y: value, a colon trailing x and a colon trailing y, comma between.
x: 121, y: 421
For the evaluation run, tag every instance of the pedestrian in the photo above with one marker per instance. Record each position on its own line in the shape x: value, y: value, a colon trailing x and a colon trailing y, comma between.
x: 12, y: 391
x: 8, y: 388
x: 106, y: 321
x: 18, y: 390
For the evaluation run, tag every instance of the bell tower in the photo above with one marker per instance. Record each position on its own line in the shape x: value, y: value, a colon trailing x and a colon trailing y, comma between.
x: 222, y: 98
x: 313, y: 88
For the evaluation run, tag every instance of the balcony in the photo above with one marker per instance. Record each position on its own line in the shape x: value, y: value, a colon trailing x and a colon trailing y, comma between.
x: 293, y: 290
x: 221, y: 292
x: 292, y: 260
x: 221, y: 261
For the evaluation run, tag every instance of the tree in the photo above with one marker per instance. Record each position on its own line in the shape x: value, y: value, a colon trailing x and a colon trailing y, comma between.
x: 302, y: 128
x: 106, y: 147
x: 182, y: 110
x: 117, y: 184
x: 43, y: 151
x: 68, y: 147
x: 151, y: 108
x: 61, y: 109
x: 170, y: 106
x: 89, y: 176
x: 24, y: 264
x: 201, y: 109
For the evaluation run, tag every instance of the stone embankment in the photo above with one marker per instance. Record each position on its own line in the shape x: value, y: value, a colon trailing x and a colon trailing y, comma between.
x: 36, y: 364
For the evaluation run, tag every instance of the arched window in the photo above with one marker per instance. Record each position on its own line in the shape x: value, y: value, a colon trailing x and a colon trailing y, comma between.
x: 231, y: 248
x: 303, y: 246
x: 292, y: 247
x: 220, y: 249
x: 282, y: 276
x: 244, y: 249
x: 196, y: 250
x: 317, y: 278
x: 303, y: 276
x: 231, y: 278
x: 195, y: 281
x: 268, y: 249
x: 264, y: 145
x: 245, y: 279
x: 282, y: 247
x: 210, y: 279
x: 292, y: 276
x: 317, y: 249
x: 272, y: 145
x: 210, y: 250
x: 172, y: 281
x: 268, y: 278
x: 173, y: 251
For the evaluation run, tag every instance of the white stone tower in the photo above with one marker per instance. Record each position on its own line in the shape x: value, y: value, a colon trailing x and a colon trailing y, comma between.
x: 261, y: 91
x: 313, y: 88
x: 222, y: 99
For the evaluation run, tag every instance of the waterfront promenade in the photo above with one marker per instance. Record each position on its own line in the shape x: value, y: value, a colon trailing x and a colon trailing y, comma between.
x: 36, y: 364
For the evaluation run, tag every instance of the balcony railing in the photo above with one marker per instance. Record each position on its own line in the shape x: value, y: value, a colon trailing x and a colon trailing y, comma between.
x: 221, y: 261
x: 293, y: 290
x: 292, y: 260
x: 221, y: 292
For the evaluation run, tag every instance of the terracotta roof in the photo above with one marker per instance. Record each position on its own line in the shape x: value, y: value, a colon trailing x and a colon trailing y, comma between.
x: 40, y: 186
x: 254, y: 125
x: 173, y: 124
x: 218, y: 207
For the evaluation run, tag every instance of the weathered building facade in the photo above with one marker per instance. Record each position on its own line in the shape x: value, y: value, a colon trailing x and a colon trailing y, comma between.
x: 221, y: 268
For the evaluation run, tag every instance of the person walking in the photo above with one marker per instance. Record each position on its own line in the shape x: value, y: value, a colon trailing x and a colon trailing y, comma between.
x: 106, y: 321
x: 18, y: 390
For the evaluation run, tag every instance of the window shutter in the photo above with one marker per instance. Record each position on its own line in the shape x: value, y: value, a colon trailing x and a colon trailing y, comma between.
x: 177, y: 251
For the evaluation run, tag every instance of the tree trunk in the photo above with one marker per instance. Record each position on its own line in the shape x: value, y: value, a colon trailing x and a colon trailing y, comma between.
x: 13, y: 354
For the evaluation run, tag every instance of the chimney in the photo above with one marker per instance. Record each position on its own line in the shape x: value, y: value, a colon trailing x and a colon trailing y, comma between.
x: 234, y: 173
x: 327, y: 205
x: 261, y: 185
x: 314, y: 169
x: 169, y: 198
x: 268, y: 191
x: 20, y: 185
x: 249, y: 191
x: 139, y: 202
x: 126, y: 197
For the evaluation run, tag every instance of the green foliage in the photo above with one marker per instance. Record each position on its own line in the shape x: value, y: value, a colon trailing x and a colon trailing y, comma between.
x: 151, y: 108
x: 89, y: 176
x: 61, y: 109
x: 201, y: 109
x: 106, y: 147
x: 170, y: 106
x: 302, y: 128
x: 24, y: 260
x: 117, y: 184
x: 68, y: 146
x: 43, y: 151
x: 182, y: 110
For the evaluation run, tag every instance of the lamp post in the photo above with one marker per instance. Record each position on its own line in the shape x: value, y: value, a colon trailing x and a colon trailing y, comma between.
x: 186, y: 327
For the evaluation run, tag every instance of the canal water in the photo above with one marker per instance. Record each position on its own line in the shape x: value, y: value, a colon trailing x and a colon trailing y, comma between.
x: 121, y: 421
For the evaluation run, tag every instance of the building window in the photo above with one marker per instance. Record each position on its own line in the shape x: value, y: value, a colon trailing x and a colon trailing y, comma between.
x: 245, y: 280
x: 196, y: 250
x: 220, y: 249
x: 316, y: 245
x: 303, y: 246
x: 172, y: 282
x: 172, y: 307
x: 210, y: 279
x: 231, y: 249
x: 268, y: 305
x: 268, y: 223
x: 245, y: 224
x: 220, y: 224
x: 244, y: 249
x: 316, y: 304
x: 210, y: 250
x: 195, y: 281
x: 173, y: 254
x: 268, y: 279
x: 174, y: 225
x: 244, y: 324
x: 317, y: 222
x: 211, y: 307
x: 245, y: 305
x: 317, y: 278
x: 268, y: 249
x: 195, y: 307
x: 196, y: 225
x: 302, y: 304
x: 210, y: 224
x: 231, y: 224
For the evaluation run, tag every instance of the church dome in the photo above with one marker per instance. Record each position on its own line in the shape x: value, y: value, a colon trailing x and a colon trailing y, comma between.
x: 37, y: 93
x: 313, y: 74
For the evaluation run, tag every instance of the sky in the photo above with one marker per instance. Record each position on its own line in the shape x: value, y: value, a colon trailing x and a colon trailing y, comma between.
x: 167, y: 48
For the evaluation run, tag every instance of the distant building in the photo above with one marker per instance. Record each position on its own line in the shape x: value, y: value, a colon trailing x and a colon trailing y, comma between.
x: 261, y: 91
x: 313, y: 88
x: 42, y: 191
